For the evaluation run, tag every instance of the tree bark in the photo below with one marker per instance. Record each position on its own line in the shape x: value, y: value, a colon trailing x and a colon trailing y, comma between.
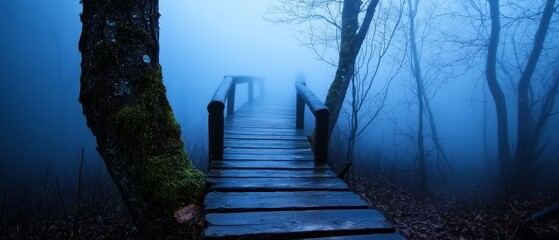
x: 497, y: 94
x: 124, y: 102
x: 352, y: 37
x: 416, y: 72
x: 526, y: 141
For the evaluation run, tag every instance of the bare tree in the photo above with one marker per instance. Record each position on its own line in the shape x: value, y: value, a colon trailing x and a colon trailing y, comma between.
x: 349, y: 34
x: 530, y: 128
x: 365, y: 105
x: 365, y: 102
x: 424, y: 107
x: 516, y: 171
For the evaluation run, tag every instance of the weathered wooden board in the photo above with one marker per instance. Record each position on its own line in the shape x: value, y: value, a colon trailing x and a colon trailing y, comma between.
x: 247, y: 129
x: 234, y: 164
x: 266, y: 120
x: 243, y: 173
x: 276, y: 184
x: 263, y: 130
x: 383, y: 236
x: 265, y: 126
x: 255, y: 157
x: 246, y: 118
x: 274, y: 144
x: 295, y: 224
x: 265, y: 137
x: 275, y: 201
x: 267, y: 151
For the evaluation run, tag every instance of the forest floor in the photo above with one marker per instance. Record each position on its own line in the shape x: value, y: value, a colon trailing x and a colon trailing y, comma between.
x: 474, y: 216
x: 415, y: 216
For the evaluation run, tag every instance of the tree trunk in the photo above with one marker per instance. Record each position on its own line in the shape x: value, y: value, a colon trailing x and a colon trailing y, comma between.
x: 352, y: 37
x: 416, y: 72
x: 497, y: 94
x: 526, y: 140
x: 124, y: 101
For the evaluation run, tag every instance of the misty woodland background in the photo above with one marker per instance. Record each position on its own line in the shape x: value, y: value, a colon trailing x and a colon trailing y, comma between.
x: 53, y: 184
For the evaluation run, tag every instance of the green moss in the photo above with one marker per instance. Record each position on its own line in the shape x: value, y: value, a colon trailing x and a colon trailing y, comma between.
x: 168, y: 178
x: 128, y: 33
x: 105, y: 56
x: 132, y: 125
x: 159, y: 162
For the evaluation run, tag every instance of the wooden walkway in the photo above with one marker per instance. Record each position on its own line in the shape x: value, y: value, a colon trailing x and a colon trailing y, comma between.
x: 267, y: 186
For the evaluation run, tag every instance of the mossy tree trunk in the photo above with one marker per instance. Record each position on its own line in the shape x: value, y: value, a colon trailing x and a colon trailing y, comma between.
x: 124, y: 101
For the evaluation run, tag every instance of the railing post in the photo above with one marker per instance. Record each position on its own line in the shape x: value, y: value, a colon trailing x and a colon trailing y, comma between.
x: 231, y: 100
x: 215, y: 130
x: 250, y: 91
x: 321, y: 135
x: 321, y: 115
x: 300, y: 112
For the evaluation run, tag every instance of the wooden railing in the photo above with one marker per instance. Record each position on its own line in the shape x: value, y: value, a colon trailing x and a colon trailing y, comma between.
x: 216, y: 118
x: 321, y: 114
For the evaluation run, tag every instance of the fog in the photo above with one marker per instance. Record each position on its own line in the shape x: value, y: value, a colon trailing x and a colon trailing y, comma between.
x: 200, y: 44
x: 42, y: 128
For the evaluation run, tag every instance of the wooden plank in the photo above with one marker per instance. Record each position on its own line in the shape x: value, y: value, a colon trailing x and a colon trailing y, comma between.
x: 267, y: 151
x: 261, y: 120
x: 276, y: 184
x: 239, y: 164
x: 263, y: 132
x: 253, y: 117
x: 266, y: 144
x: 384, y: 236
x: 240, y: 173
x: 270, y: 157
x: 254, y: 127
x: 284, y: 121
x: 248, y: 129
x: 267, y: 109
x: 295, y: 224
x: 284, y: 201
x: 267, y: 141
x: 269, y: 146
x: 265, y: 137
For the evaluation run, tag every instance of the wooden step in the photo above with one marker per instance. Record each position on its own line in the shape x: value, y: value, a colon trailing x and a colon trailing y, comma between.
x: 266, y: 157
x: 275, y: 184
x: 295, y: 224
x: 271, y: 165
x: 284, y: 201
x: 266, y: 173
x: 384, y: 236
x: 268, y: 151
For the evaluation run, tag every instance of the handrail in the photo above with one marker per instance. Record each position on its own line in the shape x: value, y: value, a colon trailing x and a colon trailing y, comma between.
x: 216, y: 120
x: 321, y: 114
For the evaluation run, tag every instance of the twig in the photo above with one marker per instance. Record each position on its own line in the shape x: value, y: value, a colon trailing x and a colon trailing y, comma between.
x: 8, y: 183
x: 345, y: 170
x: 3, y: 205
x: 76, y: 223
x: 396, y: 187
x: 61, y: 201
x: 513, y: 209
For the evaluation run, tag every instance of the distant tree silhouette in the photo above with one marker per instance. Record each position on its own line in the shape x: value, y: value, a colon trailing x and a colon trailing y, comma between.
x: 124, y: 101
x: 424, y: 106
x: 532, y: 114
